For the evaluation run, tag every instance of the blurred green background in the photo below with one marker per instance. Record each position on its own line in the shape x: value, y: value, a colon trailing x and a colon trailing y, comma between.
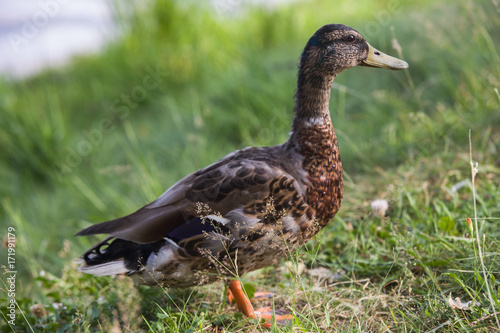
x: 186, y: 84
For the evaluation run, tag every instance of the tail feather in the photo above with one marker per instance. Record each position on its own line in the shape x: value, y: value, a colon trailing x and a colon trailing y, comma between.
x: 118, y: 256
x: 107, y: 268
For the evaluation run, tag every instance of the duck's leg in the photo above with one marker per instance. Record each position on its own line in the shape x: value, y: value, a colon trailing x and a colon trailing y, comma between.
x: 246, y: 307
x: 257, y: 296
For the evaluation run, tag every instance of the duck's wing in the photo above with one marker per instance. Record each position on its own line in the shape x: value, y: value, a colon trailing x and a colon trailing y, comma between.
x: 240, y: 179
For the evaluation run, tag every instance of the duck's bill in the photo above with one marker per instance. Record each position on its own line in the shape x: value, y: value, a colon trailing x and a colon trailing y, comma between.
x: 381, y: 60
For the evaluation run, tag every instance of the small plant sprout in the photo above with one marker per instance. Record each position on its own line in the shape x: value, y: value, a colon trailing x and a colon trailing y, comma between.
x: 470, y: 227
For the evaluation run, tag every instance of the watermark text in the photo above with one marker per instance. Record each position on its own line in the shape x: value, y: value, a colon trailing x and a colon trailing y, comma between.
x: 11, y: 274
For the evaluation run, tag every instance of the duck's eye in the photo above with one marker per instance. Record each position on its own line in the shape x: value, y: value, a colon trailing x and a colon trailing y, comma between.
x: 350, y: 38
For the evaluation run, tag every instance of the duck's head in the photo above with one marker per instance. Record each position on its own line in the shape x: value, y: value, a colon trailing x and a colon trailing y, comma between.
x: 336, y: 47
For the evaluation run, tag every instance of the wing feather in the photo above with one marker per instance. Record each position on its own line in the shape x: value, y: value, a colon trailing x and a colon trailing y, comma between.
x: 235, y: 181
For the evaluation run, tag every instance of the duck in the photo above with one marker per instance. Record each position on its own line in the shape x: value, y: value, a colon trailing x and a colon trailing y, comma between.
x: 254, y: 206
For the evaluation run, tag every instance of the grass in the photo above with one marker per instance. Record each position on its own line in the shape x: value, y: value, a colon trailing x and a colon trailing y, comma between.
x: 76, y: 151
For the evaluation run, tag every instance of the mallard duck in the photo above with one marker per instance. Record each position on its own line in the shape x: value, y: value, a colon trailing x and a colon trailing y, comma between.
x: 254, y: 206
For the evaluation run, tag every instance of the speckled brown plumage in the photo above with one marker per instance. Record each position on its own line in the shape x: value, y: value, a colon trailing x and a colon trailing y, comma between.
x: 255, y: 205
x: 324, y: 169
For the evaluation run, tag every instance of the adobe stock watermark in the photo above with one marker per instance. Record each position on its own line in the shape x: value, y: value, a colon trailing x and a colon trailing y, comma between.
x: 226, y: 8
x: 11, y: 273
x: 382, y: 18
x: 34, y: 23
x: 119, y: 111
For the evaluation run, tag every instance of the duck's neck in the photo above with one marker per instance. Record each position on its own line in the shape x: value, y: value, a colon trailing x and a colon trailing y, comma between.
x: 312, y: 122
x: 312, y: 96
x: 313, y: 138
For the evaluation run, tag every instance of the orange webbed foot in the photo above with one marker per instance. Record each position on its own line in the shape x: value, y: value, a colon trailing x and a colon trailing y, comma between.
x: 237, y: 295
